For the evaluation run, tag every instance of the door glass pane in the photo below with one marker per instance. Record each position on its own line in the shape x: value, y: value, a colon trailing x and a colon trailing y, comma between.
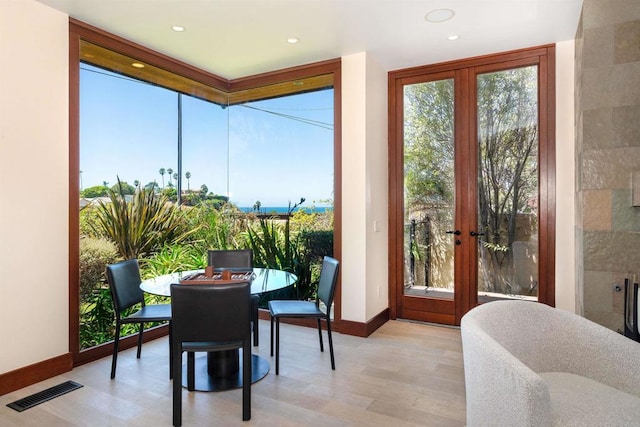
x: 508, y: 184
x: 429, y: 190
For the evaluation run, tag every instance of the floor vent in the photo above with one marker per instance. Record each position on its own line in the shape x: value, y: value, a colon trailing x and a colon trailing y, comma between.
x: 41, y: 397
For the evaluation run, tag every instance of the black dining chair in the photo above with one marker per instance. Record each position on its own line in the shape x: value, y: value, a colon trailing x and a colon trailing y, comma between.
x: 210, y: 318
x: 307, y: 309
x: 238, y: 259
x: 124, y: 282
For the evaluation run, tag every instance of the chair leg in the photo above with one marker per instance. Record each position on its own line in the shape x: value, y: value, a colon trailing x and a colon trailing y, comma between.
x: 320, y: 334
x: 114, y: 359
x: 277, y: 345
x: 176, y: 363
x: 271, y: 332
x: 333, y: 362
x: 255, y: 331
x: 140, y: 331
x: 191, y: 370
x: 255, y: 302
x: 246, y: 381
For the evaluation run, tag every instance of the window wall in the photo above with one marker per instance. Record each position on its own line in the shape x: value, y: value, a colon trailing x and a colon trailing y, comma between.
x: 262, y: 147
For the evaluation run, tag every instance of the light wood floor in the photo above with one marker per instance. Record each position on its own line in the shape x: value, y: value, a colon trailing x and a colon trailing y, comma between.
x: 405, y: 374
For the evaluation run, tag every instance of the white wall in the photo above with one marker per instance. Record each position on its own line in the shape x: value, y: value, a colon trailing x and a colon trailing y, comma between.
x: 34, y: 171
x: 364, y: 188
x: 34, y: 153
x: 565, y: 178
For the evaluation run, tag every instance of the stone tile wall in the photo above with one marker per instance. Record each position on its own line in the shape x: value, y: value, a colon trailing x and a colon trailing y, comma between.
x: 607, y: 155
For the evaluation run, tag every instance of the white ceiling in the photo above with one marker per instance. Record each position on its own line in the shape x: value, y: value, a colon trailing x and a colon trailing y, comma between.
x: 238, y: 38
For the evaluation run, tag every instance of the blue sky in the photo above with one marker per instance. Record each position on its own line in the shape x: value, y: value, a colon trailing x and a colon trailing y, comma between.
x: 129, y: 129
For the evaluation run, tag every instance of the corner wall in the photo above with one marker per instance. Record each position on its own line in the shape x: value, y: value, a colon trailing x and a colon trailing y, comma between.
x: 364, y: 188
x: 607, y: 153
x: 565, y: 275
x: 34, y: 169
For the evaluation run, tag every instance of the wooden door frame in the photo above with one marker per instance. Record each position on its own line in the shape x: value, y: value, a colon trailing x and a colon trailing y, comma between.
x: 544, y: 56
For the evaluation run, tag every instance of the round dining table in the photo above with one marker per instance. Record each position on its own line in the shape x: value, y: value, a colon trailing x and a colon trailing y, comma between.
x: 222, y: 370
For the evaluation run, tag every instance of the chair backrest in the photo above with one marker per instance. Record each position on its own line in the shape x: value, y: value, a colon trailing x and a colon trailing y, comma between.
x: 124, y: 281
x: 328, y: 280
x: 209, y: 313
x: 240, y: 258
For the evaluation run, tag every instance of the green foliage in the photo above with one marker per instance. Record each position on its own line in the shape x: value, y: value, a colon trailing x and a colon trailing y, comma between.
x: 218, y: 227
x: 194, y: 198
x: 141, y: 226
x: 296, y: 245
x: 89, y: 225
x: 170, y: 192
x: 174, y: 258
x: 277, y: 244
x: 95, y: 255
x: 95, y: 191
x: 428, y: 143
x: 122, y: 187
x: 96, y: 318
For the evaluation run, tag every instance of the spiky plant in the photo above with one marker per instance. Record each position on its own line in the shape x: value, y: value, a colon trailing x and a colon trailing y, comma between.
x: 142, y: 225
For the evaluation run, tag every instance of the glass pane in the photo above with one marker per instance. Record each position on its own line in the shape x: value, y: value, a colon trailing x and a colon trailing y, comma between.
x: 205, y: 163
x: 127, y: 132
x: 281, y: 151
x: 429, y: 190
x: 508, y: 184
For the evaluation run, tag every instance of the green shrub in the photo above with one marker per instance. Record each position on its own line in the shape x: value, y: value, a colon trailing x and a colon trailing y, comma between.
x: 95, y: 254
x: 217, y: 227
x: 140, y: 226
x: 173, y: 258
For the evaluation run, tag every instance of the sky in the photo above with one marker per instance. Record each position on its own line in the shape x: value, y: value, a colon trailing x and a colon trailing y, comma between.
x: 257, y: 151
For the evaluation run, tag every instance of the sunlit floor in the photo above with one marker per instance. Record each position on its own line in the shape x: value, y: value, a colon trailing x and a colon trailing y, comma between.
x: 404, y: 374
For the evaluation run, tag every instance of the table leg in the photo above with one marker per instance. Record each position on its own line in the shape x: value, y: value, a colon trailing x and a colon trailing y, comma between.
x: 224, y: 372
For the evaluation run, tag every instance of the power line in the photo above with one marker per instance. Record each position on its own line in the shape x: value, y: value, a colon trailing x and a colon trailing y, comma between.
x: 317, y: 123
x: 323, y: 125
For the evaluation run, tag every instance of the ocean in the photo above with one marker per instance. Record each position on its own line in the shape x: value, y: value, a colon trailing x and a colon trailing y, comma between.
x: 285, y: 209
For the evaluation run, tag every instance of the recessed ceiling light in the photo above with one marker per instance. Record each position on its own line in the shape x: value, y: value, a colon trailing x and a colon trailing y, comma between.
x: 293, y: 40
x: 177, y: 28
x: 439, y: 15
x: 453, y: 37
x: 137, y: 65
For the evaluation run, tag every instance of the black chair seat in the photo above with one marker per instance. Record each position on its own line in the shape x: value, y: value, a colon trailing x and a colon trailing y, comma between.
x: 198, y: 346
x: 293, y: 308
x: 150, y: 313
x: 307, y: 309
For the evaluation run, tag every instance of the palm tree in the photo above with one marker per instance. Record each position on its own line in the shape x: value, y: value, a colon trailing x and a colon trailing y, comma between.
x: 170, y: 173
x: 162, y: 175
x: 187, y: 175
x: 136, y: 183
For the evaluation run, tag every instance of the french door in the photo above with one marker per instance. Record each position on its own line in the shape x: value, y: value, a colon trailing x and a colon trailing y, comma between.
x: 471, y: 185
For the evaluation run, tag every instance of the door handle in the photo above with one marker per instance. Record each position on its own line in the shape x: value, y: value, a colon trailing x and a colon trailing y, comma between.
x: 457, y: 232
x: 474, y: 234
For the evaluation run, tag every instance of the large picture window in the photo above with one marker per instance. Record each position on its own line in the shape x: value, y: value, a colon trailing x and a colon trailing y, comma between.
x: 229, y: 162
